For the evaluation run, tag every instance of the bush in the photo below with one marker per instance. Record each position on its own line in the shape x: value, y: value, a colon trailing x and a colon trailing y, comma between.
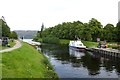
x: 115, y: 47
x: 51, y: 40
x: 35, y: 39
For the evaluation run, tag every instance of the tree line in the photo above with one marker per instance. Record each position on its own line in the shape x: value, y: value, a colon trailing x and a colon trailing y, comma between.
x: 5, y: 30
x: 86, y: 31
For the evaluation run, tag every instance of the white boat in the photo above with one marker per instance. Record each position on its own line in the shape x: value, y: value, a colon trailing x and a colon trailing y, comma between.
x: 77, y: 44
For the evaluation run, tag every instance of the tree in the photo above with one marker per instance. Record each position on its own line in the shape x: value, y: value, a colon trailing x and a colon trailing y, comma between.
x: 118, y: 32
x: 0, y: 28
x: 86, y: 31
x: 109, y: 32
x: 14, y: 35
x: 42, y: 28
x: 5, y: 30
x: 96, y: 27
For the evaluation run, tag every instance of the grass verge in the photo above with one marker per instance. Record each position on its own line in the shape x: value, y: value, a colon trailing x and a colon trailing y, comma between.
x: 11, y: 45
x: 90, y: 44
x: 26, y: 62
x: 87, y: 43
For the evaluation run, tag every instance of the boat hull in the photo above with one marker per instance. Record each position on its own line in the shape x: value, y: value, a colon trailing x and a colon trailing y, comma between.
x: 78, y: 48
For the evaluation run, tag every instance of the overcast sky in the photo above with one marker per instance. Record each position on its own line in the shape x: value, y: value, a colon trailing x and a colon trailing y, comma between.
x: 29, y: 14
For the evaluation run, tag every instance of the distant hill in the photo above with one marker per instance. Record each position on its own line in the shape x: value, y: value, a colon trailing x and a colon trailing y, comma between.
x: 28, y: 34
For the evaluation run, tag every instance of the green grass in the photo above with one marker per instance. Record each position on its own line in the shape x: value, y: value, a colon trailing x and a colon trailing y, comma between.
x: 37, y: 39
x: 0, y: 65
x: 0, y: 47
x: 86, y: 43
x: 64, y: 41
x: 26, y: 62
x: 40, y: 40
x: 90, y: 44
x: 5, y: 47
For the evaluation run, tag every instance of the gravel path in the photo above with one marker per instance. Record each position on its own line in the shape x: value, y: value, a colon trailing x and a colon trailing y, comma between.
x: 17, y: 45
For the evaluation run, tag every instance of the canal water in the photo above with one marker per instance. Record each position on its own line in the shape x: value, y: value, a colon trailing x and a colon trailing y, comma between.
x: 71, y: 63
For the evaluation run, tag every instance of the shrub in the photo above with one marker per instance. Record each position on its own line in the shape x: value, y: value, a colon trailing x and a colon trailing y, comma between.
x: 51, y: 40
x: 35, y: 39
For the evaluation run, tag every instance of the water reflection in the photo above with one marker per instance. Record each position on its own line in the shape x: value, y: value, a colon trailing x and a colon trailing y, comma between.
x: 76, y: 53
x: 72, y: 63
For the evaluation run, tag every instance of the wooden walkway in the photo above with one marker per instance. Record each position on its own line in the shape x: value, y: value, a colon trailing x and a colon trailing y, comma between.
x: 106, y: 51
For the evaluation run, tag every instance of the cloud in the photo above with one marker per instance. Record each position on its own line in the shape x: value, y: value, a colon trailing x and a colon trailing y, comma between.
x: 29, y: 14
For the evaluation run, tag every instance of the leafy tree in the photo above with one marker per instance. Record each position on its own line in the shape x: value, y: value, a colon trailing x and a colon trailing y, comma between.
x: 109, y: 32
x: 42, y: 28
x: 118, y: 32
x: 95, y: 26
x: 5, y: 29
x: 0, y: 28
x: 14, y: 35
x: 86, y: 31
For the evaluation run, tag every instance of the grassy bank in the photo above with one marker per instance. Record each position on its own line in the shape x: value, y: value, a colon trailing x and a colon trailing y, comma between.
x: 91, y: 44
x: 26, y: 62
x: 64, y: 41
x: 5, y: 47
x: 87, y: 43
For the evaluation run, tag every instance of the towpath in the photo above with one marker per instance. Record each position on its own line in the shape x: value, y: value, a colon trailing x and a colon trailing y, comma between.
x: 17, y: 45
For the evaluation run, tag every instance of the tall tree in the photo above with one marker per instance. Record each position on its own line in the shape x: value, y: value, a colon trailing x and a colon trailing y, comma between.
x: 109, y: 32
x: 42, y: 28
x: 95, y: 26
x: 0, y: 28
x: 118, y: 32
x: 5, y: 29
x: 14, y: 35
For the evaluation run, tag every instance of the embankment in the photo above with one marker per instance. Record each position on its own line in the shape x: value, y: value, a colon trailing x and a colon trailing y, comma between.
x: 26, y: 62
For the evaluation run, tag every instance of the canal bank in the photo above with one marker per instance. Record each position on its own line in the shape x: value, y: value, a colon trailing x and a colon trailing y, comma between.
x: 26, y: 62
x: 70, y: 63
x: 86, y: 43
x: 106, y: 51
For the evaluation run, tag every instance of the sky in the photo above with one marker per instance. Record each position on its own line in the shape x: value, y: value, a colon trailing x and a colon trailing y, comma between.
x: 30, y: 14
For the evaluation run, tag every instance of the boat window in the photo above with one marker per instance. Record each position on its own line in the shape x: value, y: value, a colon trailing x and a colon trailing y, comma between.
x: 79, y: 44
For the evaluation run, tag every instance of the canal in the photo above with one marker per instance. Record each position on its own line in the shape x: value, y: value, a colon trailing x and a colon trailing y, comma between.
x: 71, y: 63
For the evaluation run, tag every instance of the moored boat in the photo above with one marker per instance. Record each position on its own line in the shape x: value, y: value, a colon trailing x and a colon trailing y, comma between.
x: 77, y: 44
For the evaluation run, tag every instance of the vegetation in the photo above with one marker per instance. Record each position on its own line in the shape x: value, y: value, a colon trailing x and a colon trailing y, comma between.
x: 11, y: 44
x: 14, y: 35
x: 37, y: 39
x: 0, y: 28
x: 64, y: 41
x: 86, y: 31
x: 86, y: 43
x: 26, y: 62
x: 50, y: 39
x: 90, y: 44
x: 5, y: 30
x: 118, y: 31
